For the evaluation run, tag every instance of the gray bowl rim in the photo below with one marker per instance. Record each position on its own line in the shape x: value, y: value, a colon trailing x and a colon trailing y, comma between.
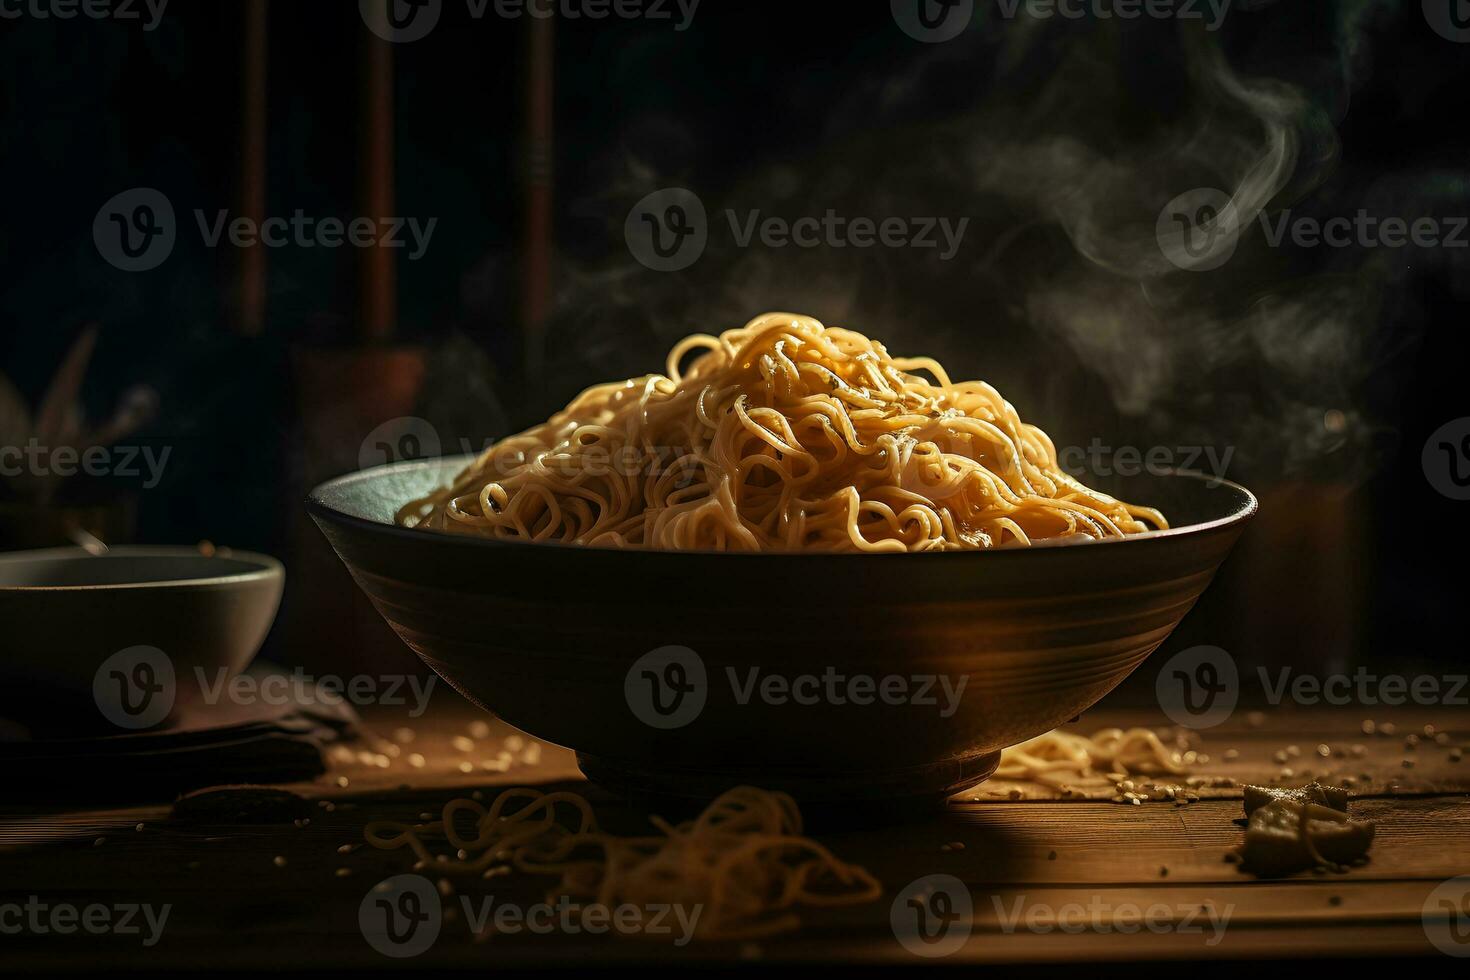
x: 266, y: 568
x: 321, y: 510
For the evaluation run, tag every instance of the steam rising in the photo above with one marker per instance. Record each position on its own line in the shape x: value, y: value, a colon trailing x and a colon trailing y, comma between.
x: 1063, y: 143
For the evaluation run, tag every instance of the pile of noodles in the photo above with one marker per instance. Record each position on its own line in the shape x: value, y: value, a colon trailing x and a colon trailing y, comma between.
x: 782, y: 435
x: 743, y: 861
x: 1060, y: 759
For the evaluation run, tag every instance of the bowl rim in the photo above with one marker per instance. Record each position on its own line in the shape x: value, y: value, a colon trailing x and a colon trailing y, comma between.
x: 265, y: 568
x: 320, y: 510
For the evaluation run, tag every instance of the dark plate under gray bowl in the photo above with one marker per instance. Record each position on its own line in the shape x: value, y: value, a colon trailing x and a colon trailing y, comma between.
x: 120, y: 641
x: 683, y: 673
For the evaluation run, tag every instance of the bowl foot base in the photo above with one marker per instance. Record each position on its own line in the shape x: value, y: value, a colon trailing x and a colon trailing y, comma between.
x: 897, y: 793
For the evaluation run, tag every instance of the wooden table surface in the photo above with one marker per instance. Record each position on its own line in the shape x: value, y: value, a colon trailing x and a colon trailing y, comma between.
x: 258, y: 895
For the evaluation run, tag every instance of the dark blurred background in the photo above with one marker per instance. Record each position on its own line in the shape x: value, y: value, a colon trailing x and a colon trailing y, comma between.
x: 1322, y: 371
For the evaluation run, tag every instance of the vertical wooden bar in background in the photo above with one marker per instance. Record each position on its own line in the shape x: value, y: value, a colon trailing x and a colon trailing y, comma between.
x: 537, y: 247
x: 251, y: 285
x: 377, y: 270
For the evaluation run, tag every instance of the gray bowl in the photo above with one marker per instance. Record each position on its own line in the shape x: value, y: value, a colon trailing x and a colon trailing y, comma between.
x: 80, y: 628
x: 553, y: 639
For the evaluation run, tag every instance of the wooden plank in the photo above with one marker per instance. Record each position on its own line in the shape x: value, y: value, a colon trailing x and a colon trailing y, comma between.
x: 232, y: 898
x: 1285, y: 746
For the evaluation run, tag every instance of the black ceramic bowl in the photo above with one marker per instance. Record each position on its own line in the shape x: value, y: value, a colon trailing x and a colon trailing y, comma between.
x: 79, y: 628
x: 643, y: 661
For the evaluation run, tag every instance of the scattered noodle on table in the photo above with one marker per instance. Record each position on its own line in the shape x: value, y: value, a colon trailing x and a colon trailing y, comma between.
x: 743, y: 860
x: 1061, y: 759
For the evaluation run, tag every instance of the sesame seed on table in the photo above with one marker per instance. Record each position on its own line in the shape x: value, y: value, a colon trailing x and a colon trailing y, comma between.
x: 295, y: 879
